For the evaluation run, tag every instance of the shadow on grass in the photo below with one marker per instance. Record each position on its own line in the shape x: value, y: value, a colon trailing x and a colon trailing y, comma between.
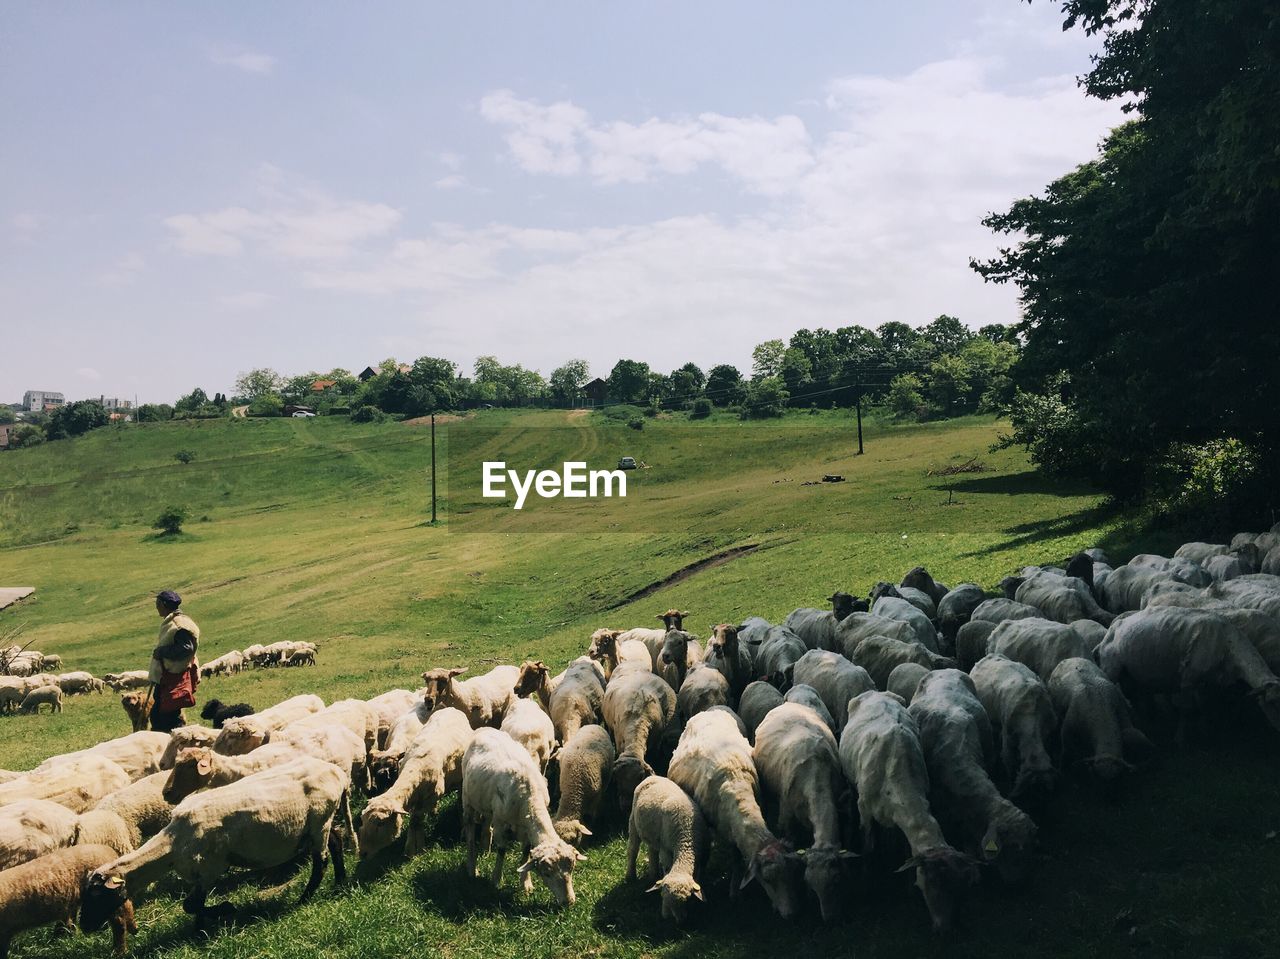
x: 1027, y: 482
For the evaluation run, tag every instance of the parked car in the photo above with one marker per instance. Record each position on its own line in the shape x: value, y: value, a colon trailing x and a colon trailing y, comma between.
x: 301, y: 414
x: 627, y: 463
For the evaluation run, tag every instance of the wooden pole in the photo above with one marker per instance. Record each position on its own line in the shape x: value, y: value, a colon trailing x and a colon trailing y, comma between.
x: 433, y: 468
x: 859, y: 405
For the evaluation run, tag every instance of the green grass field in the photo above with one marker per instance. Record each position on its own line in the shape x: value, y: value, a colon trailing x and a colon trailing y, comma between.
x: 316, y: 529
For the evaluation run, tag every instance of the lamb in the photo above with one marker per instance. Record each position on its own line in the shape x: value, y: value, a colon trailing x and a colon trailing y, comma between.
x: 78, y: 783
x: 638, y: 707
x: 130, y: 679
x: 799, y: 766
x: 1097, y: 728
x: 239, y: 736
x: 262, y: 821
x: 504, y: 794
x: 756, y: 702
x: 48, y: 890
x: 137, y: 706
x: 1018, y: 704
x: 384, y: 763
x: 732, y: 657
x: 808, y: 696
x: 878, y: 655
x: 606, y: 650
x: 483, y: 698
x: 955, y: 609
x: 882, y: 757
x: 299, y: 657
x: 713, y: 764
x: 30, y: 828
x: 586, y: 766
x: 218, y: 713
x: 1039, y: 644
x: 1186, y: 651
x: 187, y: 737
x: 904, y: 680
x: 664, y: 818
x: 432, y: 768
x: 817, y: 627
x: 956, y: 735
x: 1061, y: 598
x: 529, y: 725
x: 703, y: 688
x: 834, y: 678
x: 80, y: 682
x: 50, y: 696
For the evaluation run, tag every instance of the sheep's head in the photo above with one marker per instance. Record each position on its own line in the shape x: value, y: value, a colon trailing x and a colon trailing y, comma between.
x: 436, y: 685
x: 842, y: 604
x: 553, y: 861
x: 675, y: 651
x: 385, y: 767
x: 210, y: 709
x: 533, y: 675
x: 571, y: 831
x: 1009, y: 586
x: 1009, y: 845
x: 775, y: 866
x: 943, y: 876
x: 192, y: 770
x: 824, y: 872
x: 379, y: 825
x: 723, y: 640
x: 1034, y: 786
x: 628, y: 773
x: 673, y: 618
x: 105, y: 898
x: 918, y: 578
x: 676, y: 892
x: 604, y: 644
x: 239, y: 737
x: 882, y: 589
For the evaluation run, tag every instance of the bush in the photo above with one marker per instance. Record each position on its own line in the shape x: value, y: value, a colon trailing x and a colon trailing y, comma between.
x: 367, y: 414
x: 169, y: 523
x: 25, y: 437
x: 623, y: 412
x: 701, y: 409
x: 184, y: 456
x: 765, y: 398
x: 636, y: 424
x: 269, y: 404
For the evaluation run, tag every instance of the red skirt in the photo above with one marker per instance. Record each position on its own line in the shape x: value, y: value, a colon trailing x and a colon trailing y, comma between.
x: 178, y: 690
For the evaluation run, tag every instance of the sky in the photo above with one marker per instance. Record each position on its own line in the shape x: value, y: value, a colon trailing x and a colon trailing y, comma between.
x: 194, y: 190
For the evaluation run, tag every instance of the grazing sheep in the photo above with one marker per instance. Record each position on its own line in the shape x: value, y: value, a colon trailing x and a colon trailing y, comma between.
x: 1000, y: 608
x: 973, y: 640
x: 757, y: 700
x: 78, y: 783
x: 713, y: 764
x: 1187, y: 652
x: 331, y: 742
x: 11, y: 696
x: 127, y: 816
x: 384, y: 763
x: 638, y: 707
x: 199, y: 767
x: 130, y: 679
x: 239, y: 736
x: 1061, y: 598
x: 187, y: 737
x: 528, y: 724
x: 606, y: 650
x: 904, y: 679
x: 483, y: 698
x: 224, y: 665
x: 261, y: 822
x: 30, y: 828
x: 1258, y: 591
x: 918, y: 598
x: 727, y: 653
x: 504, y: 794
x: 1130, y: 586
x: 918, y: 578
x: 78, y: 682
x: 586, y: 766
x: 664, y: 818
x: 799, y: 766
x: 703, y: 688
x: 1096, y: 728
x: 353, y: 714
x: 137, y: 706
x: 299, y: 657
x: 807, y: 696
x: 957, y: 739
x: 1039, y: 644
x: 432, y: 768
x: 878, y: 655
x: 856, y: 627
x: 218, y: 713
x: 577, y: 698
x: 50, y: 696
x: 1018, y: 705
x: 902, y: 610
x: 955, y: 609
x: 835, y: 678
x: 882, y: 757
x: 817, y: 627
x: 390, y: 706
x: 48, y: 890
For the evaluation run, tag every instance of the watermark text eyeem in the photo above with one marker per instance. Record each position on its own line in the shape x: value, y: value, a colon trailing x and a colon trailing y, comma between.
x: 574, y: 481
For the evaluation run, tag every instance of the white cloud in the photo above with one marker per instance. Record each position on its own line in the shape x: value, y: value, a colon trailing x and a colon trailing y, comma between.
x: 123, y: 271
x: 542, y: 139
x: 248, y: 300
x: 449, y: 160
x: 246, y: 61
x: 451, y: 182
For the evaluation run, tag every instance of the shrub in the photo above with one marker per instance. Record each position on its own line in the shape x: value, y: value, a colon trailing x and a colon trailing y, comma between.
x: 26, y: 436
x: 636, y: 424
x: 184, y: 456
x: 701, y: 409
x: 269, y: 404
x: 367, y: 414
x: 169, y: 523
x: 765, y: 398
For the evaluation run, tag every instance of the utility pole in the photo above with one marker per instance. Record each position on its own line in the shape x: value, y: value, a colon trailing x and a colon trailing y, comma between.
x: 433, y: 469
x: 858, y: 403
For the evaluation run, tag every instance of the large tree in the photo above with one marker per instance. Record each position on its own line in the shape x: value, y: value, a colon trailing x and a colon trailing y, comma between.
x: 629, y: 381
x: 568, y: 380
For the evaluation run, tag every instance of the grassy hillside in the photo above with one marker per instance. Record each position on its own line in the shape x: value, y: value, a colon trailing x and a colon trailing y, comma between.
x: 315, y: 529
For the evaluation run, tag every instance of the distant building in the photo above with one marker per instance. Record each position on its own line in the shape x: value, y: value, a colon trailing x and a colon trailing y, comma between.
x: 37, y: 401
x: 5, y: 430
x: 319, y: 386
x: 597, y: 391
x: 114, y: 404
x: 366, y: 374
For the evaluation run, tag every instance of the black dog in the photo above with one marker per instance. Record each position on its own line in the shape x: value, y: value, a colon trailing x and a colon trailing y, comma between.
x: 219, y: 713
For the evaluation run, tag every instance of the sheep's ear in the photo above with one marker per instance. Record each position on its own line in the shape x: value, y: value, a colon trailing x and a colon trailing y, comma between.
x: 203, y: 766
x: 751, y: 874
x: 909, y: 864
x: 847, y: 854
x: 697, y: 893
x: 457, y: 672
x: 655, y: 887
x: 585, y: 832
x: 581, y: 856
x: 114, y: 882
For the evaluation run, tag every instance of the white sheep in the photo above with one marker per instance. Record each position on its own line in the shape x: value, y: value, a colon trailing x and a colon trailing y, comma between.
x: 835, y: 678
x: 30, y: 828
x: 878, y: 655
x: 392, y: 705
x: 337, y: 744
x: 528, y: 724
x: 1039, y: 644
x: 1096, y: 726
x: 130, y: 679
x: 1018, y: 705
x: 586, y: 767
x: 799, y: 766
x: 79, y: 783
x: 138, y: 754
x: 904, y: 679
x: 127, y: 816
x: 483, y: 698
x: 808, y: 696
x: 245, y: 733
x: 957, y: 740
x: 1000, y: 608
x: 261, y: 822
x: 432, y: 768
x: 638, y: 707
x: 1061, y: 598
x: 665, y: 818
x: 904, y: 611
x: 187, y: 737
x: 199, y: 767
x: 606, y: 649
x: 713, y: 763
x: 48, y: 890
x: 505, y: 796
x: 703, y: 688
x: 817, y: 627
x: 384, y: 763
x: 50, y: 696
x: 80, y: 681
x: 882, y: 756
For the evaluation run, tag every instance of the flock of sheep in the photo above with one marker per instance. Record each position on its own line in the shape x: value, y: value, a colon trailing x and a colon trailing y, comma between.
x: 949, y: 714
x: 26, y: 682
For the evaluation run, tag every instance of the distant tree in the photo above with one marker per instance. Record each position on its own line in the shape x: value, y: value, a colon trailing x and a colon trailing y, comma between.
x: 629, y: 381
x: 568, y: 380
x: 255, y: 383
x: 724, y: 385
x: 191, y: 402
x: 184, y: 456
x: 899, y: 342
x: 76, y: 419
x: 905, y: 399
x: 434, y: 382
x: 154, y: 412
x: 701, y: 409
x: 765, y: 398
x: 26, y: 436
x: 999, y: 333
x: 766, y: 359
x: 7, y: 415
x: 947, y: 334
x: 796, y: 372
x: 948, y: 383
x: 169, y: 522
x: 268, y: 404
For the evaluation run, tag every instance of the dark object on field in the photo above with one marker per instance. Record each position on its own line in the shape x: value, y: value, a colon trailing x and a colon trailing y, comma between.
x: 971, y: 466
x: 219, y: 713
x: 833, y: 478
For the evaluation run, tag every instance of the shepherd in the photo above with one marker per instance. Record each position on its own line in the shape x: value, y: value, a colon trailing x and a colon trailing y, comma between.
x: 175, y: 671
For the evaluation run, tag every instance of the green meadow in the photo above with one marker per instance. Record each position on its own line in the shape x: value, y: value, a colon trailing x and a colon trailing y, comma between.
x: 319, y: 530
